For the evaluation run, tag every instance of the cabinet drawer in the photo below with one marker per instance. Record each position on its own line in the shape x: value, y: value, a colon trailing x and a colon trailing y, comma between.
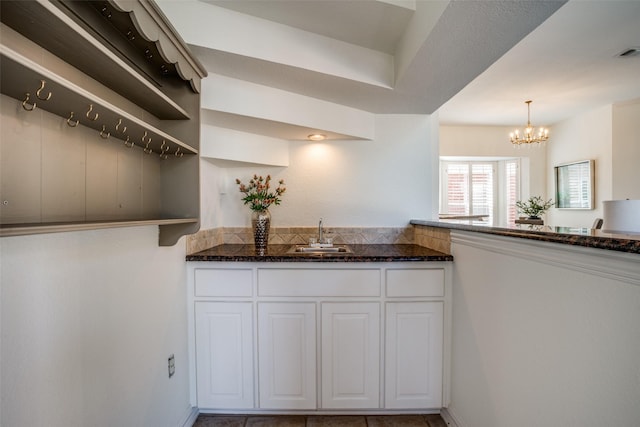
x: 415, y: 282
x: 319, y: 282
x: 223, y: 282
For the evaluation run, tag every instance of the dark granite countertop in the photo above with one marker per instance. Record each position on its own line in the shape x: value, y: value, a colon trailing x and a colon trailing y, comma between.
x: 587, y: 237
x: 361, y: 253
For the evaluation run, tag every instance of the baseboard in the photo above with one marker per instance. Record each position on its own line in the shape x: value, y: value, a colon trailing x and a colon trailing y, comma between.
x: 446, y: 416
x: 363, y: 412
x: 190, y: 417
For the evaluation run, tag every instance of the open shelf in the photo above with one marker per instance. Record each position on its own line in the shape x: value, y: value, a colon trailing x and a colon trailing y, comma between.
x: 79, y: 82
x: 171, y: 229
x: 21, y: 76
x: 58, y: 227
x: 46, y: 24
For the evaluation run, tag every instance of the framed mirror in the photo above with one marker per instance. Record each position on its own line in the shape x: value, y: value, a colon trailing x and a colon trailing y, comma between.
x: 574, y: 185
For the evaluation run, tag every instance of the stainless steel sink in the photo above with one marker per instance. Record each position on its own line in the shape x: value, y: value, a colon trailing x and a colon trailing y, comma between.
x: 312, y: 250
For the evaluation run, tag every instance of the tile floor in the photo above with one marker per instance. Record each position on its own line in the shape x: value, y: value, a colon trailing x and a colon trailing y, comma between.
x: 205, y: 420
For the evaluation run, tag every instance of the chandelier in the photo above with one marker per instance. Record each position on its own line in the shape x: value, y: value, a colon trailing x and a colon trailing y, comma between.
x: 529, y: 136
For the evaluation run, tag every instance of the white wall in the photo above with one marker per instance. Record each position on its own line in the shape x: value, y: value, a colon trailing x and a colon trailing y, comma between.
x: 381, y: 183
x: 493, y: 141
x: 213, y: 182
x: 88, y: 321
x: 626, y: 151
x: 537, y: 344
x: 605, y: 134
x: 584, y: 137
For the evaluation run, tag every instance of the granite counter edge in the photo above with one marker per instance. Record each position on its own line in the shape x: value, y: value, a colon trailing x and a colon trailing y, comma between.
x: 246, y: 253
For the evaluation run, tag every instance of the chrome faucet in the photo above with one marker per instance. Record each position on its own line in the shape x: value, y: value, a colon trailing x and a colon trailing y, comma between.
x: 320, y: 232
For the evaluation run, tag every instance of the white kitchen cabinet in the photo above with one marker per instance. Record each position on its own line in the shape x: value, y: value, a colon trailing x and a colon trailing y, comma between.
x: 287, y: 355
x: 224, y: 355
x: 350, y: 355
x: 325, y: 336
x: 414, y: 352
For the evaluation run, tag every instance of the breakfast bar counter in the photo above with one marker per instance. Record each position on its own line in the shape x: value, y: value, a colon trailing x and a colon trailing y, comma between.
x: 575, y: 236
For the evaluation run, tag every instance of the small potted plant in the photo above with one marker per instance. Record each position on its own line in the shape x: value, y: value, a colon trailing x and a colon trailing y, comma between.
x: 534, y: 207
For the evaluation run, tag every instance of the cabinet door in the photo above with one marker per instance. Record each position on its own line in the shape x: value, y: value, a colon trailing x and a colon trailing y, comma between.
x: 350, y: 355
x: 224, y: 354
x: 287, y: 355
x: 413, y: 358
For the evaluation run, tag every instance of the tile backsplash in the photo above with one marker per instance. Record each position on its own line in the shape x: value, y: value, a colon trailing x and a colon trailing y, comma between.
x: 431, y: 237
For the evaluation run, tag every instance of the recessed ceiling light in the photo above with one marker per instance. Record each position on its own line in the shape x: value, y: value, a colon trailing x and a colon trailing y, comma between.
x: 317, y: 137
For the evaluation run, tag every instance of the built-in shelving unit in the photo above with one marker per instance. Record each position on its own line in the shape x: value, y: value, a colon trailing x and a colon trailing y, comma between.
x: 129, y: 115
x: 41, y: 88
x: 69, y: 35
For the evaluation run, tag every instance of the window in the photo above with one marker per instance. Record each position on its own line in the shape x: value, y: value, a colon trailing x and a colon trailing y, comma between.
x: 512, y: 187
x: 474, y: 187
x: 574, y: 185
x: 457, y: 186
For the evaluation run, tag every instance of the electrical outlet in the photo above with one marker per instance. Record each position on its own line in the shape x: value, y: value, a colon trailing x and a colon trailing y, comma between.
x: 172, y: 365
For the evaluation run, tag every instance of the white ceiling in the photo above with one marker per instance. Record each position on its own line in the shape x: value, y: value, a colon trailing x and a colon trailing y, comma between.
x: 478, y: 64
x: 568, y: 65
x: 377, y: 25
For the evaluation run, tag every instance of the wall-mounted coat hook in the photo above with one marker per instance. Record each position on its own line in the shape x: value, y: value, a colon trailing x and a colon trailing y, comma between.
x: 26, y: 105
x: 145, y: 138
x: 39, y: 92
x: 103, y: 133
x: 164, y: 148
x: 94, y: 118
x: 124, y: 128
x: 72, y: 123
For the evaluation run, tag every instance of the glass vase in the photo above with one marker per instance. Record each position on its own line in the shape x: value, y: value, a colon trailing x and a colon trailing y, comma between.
x: 261, y: 222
